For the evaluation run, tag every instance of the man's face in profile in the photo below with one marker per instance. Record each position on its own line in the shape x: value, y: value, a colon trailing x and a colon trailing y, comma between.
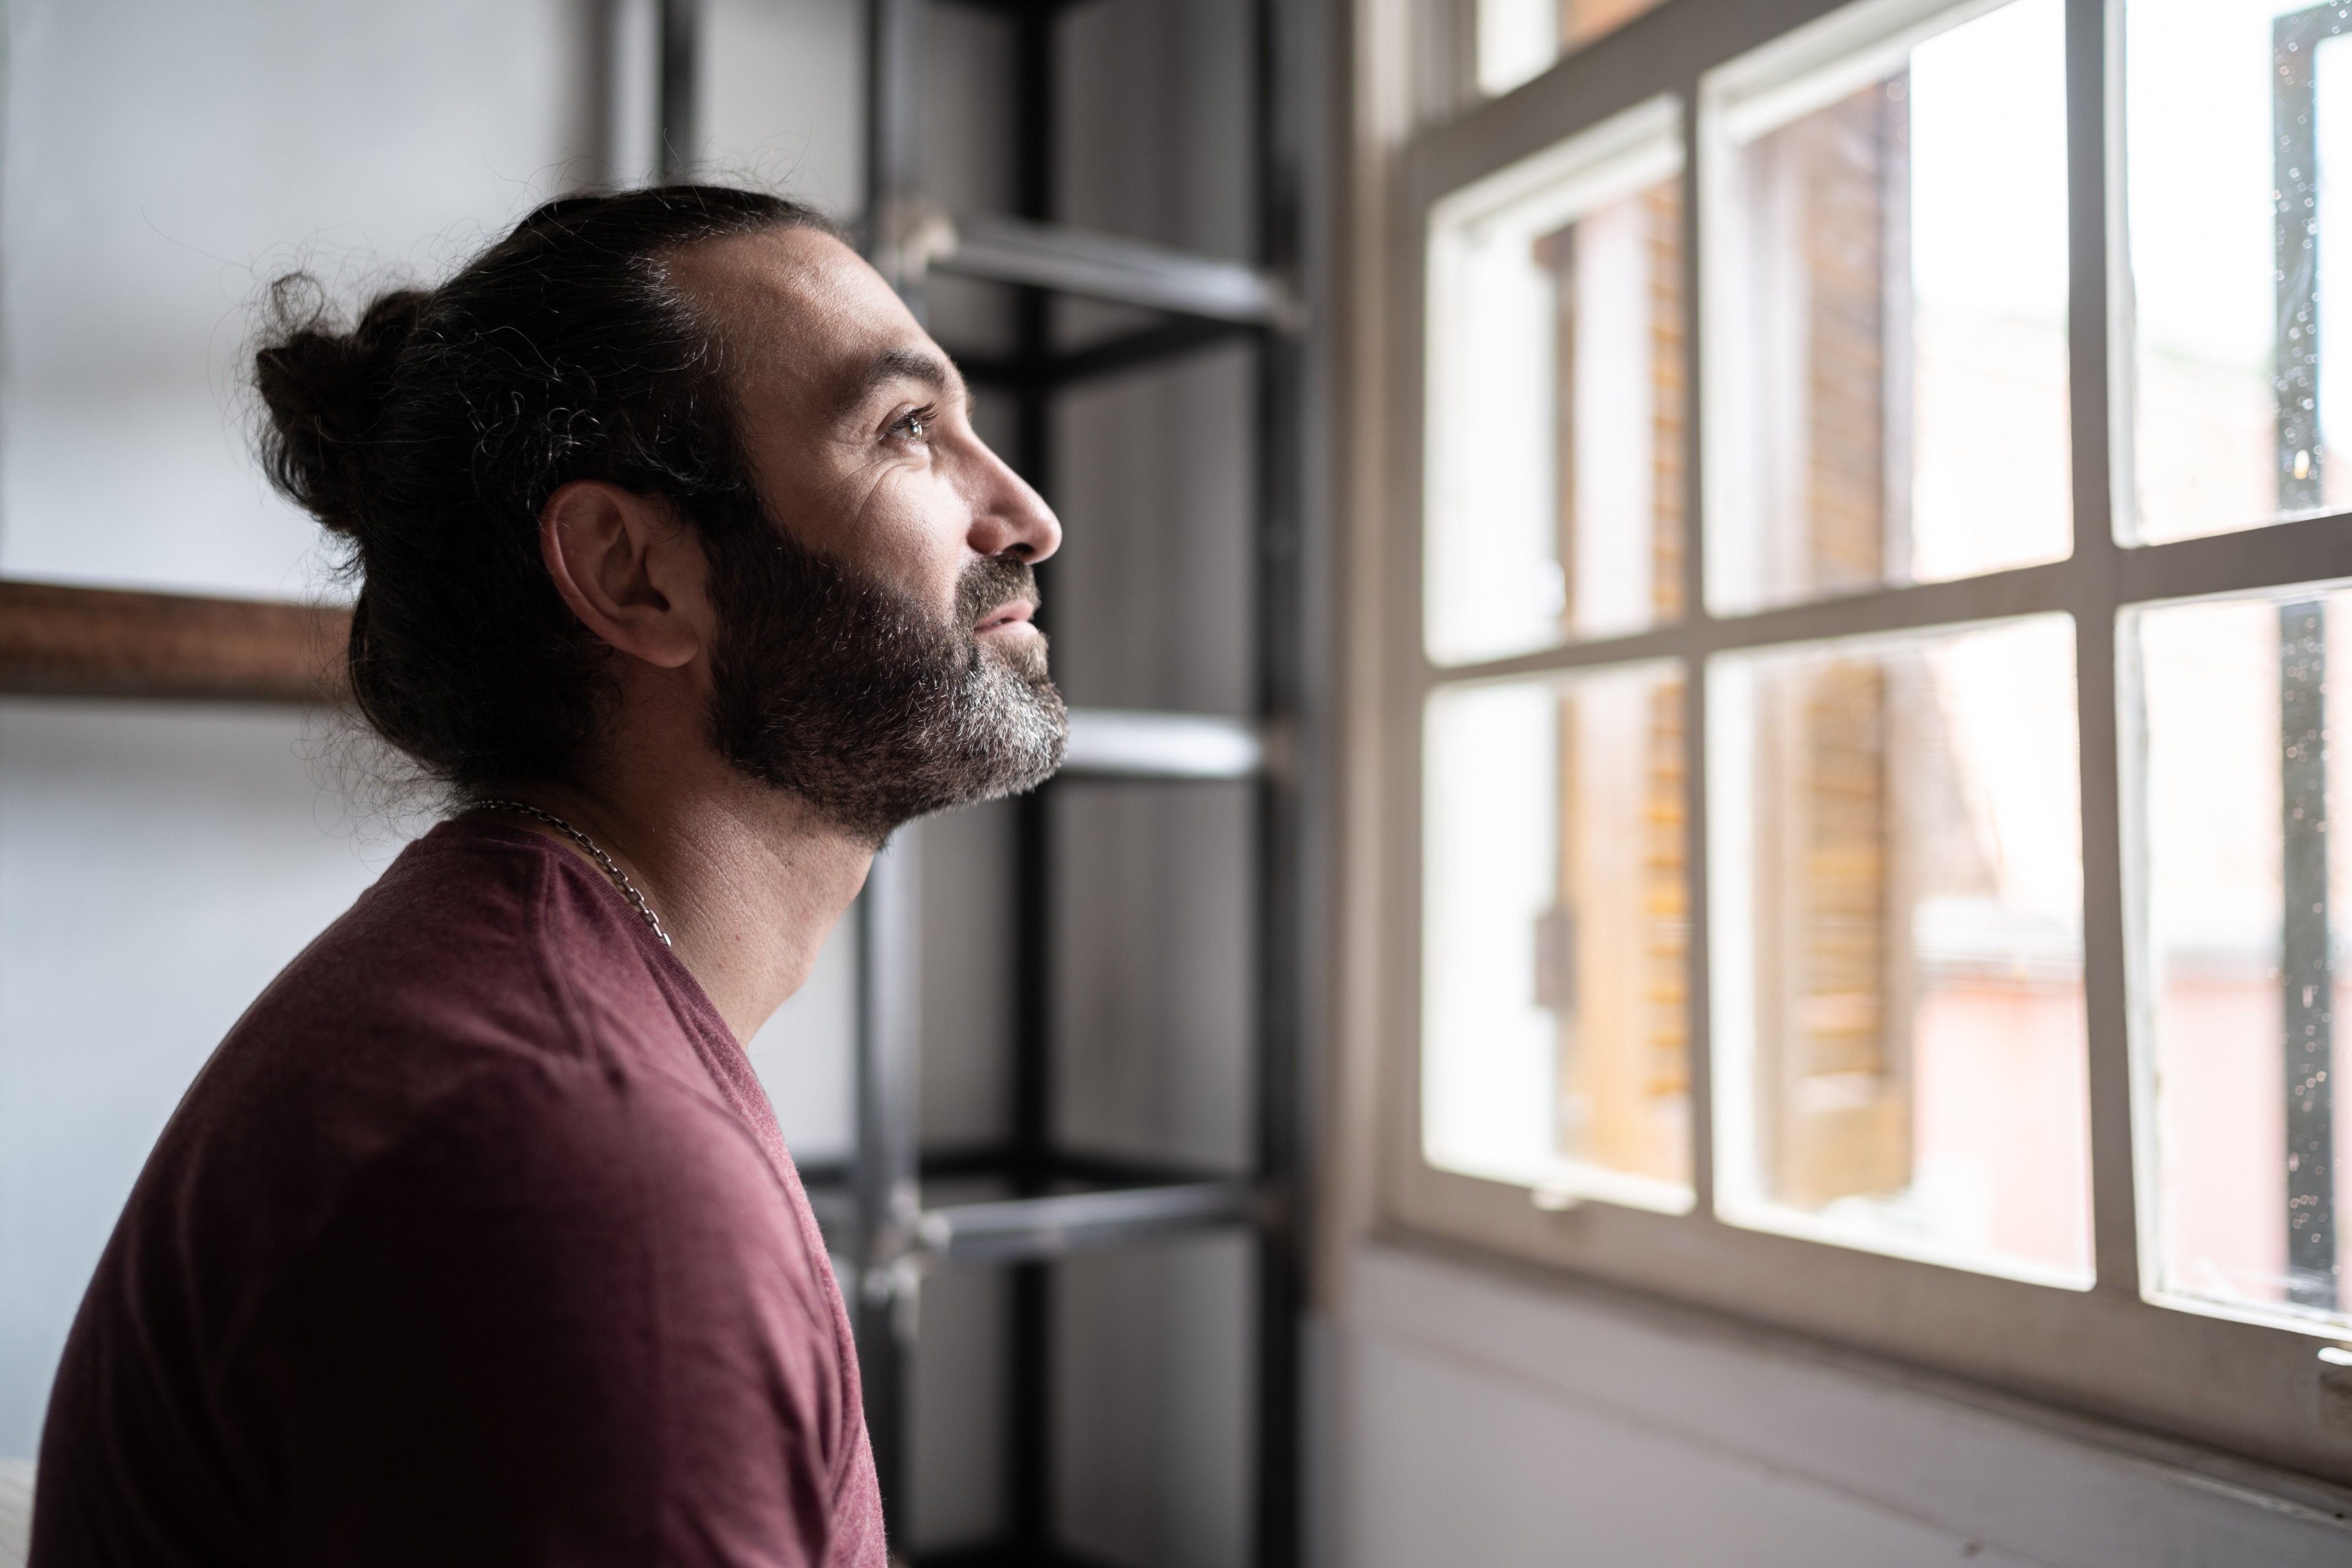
x: 878, y: 655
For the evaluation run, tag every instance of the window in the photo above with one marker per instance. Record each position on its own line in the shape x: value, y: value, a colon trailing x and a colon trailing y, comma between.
x: 2236, y: 712
x: 1899, y: 1030
x: 1867, y: 864
x: 1555, y: 504
x: 1557, y: 937
x: 1889, y: 278
x: 1557, y: 930
x: 2240, y: 115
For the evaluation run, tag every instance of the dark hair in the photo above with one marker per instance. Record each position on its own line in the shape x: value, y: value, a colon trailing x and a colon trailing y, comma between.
x: 431, y: 434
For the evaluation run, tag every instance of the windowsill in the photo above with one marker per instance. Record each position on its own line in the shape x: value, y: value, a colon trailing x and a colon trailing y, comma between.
x: 2046, y: 1483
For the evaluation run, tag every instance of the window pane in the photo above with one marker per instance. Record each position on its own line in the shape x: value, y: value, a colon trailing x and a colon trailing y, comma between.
x: 2240, y: 141
x: 1555, y: 1049
x: 1891, y: 300
x: 1518, y: 40
x: 1898, y: 986
x: 2240, y: 1053
x: 1555, y: 457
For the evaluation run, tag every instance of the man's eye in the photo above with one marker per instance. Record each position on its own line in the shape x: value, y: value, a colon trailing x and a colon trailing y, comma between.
x: 916, y: 425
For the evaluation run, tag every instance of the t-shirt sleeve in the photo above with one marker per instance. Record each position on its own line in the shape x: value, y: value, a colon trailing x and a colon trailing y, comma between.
x: 570, y: 1322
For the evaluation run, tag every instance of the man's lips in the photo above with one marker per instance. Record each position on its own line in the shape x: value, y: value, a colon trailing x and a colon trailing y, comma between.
x: 1016, y: 613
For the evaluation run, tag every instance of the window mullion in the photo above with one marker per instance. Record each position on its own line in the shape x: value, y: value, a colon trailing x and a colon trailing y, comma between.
x: 2023, y: 590
x: 1695, y: 718
x: 2092, y: 201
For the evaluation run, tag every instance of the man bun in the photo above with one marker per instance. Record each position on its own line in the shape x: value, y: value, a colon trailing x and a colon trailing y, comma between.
x: 324, y: 392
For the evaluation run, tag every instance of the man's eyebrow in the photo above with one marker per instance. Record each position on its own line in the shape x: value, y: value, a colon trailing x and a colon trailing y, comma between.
x: 909, y: 364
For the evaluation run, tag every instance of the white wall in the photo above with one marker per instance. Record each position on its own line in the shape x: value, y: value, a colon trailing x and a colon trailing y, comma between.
x: 161, y: 161
x: 15, y: 1512
x: 781, y: 89
x: 1504, y: 1419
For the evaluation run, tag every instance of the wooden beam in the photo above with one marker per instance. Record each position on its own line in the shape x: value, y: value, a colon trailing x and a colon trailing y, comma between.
x: 56, y: 641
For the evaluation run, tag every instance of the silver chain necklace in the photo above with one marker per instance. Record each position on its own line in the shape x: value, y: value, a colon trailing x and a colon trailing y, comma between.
x: 620, y: 878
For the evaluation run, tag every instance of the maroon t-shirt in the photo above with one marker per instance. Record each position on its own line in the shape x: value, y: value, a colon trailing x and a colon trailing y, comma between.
x: 474, y: 1242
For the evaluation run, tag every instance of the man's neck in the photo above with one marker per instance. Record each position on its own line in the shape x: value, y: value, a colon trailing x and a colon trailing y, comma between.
x: 745, y: 879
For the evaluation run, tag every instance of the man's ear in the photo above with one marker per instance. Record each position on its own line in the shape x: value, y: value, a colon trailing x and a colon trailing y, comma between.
x: 630, y: 568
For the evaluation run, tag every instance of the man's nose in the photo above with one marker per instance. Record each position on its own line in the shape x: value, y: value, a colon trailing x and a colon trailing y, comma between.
x: 1012, y: 519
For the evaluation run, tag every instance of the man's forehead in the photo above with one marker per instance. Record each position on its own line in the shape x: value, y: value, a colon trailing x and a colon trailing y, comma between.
x: 800, y: 304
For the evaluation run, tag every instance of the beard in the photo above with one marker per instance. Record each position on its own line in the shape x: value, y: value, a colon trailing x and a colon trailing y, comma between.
x: 860, y: 699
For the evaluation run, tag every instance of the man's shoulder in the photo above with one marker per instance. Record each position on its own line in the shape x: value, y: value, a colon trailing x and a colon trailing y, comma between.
x: 475, y: 940
x: 479, y: 968
x: 474, y: 1046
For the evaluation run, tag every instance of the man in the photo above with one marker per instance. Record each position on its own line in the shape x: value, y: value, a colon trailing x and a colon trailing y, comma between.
x: 679, y: 564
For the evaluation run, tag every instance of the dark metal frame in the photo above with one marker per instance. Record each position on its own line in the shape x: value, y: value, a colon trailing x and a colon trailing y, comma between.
x: 1064, y: 1202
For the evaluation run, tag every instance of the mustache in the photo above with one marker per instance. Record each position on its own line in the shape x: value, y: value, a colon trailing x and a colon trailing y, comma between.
x: 990, y: 581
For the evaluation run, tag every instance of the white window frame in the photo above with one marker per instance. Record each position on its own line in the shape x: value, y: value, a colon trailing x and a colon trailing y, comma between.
x: 2254, y: 1390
